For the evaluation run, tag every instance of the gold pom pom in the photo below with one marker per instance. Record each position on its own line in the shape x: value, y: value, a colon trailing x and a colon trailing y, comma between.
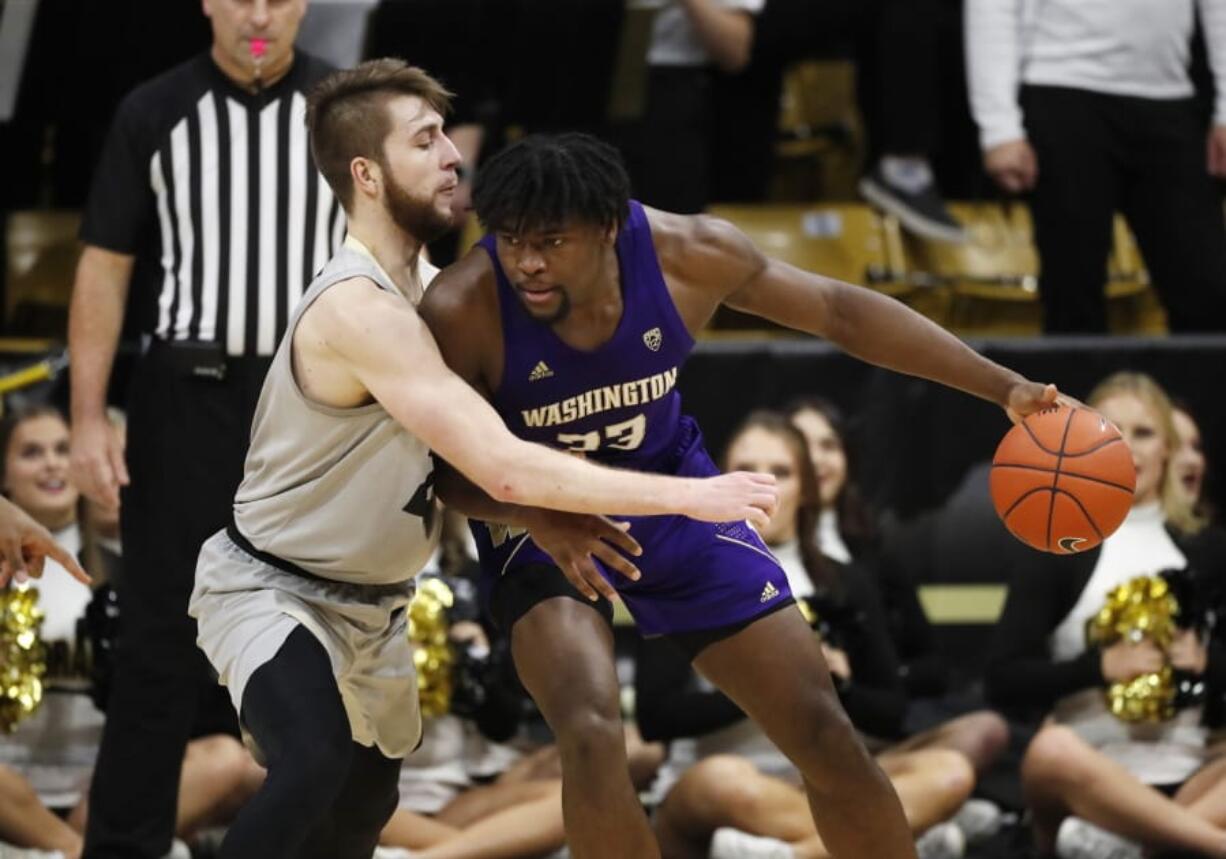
x: 23, y: 658
x: 1138, y: 610
x: 428, y: 629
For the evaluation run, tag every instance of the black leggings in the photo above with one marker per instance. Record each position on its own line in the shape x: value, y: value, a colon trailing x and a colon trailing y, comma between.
x: 325, y: 795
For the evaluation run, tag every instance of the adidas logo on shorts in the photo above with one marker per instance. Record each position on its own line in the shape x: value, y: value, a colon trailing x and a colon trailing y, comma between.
x: 540, y: 371
x: 769, y: 593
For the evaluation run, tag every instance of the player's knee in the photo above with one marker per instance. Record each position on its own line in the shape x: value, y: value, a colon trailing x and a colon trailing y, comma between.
x: 326, y: 762
x: 1054, y: 757
x: 589, y: 734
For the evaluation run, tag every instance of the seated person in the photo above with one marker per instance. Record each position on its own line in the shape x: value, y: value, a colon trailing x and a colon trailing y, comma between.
x: 742, y: 797
x: 45, y: 765
x: 847, y: 532
x: 1097, y: 785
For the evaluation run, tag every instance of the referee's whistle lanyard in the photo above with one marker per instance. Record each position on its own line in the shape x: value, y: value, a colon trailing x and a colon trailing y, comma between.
x: 258, y: 47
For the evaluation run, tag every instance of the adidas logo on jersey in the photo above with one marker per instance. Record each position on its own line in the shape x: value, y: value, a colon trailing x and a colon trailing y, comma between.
x: 540, y: 371
x: 769, y: 593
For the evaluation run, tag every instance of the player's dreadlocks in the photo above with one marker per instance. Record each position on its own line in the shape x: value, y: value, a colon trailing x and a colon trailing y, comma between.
x: 545, y: 182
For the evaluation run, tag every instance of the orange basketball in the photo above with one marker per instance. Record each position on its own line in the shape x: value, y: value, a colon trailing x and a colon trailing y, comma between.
x: 1062, y: 480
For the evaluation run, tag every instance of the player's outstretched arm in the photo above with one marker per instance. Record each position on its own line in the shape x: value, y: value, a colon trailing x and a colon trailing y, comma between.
x: 387, y: 348
x: 873, y: 327
x: 25, y: 545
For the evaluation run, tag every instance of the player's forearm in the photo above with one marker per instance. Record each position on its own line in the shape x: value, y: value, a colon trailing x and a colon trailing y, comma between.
x: 465, y: 497
x: 95, y: 319
x: 536, y: 476
x: 887, y: 333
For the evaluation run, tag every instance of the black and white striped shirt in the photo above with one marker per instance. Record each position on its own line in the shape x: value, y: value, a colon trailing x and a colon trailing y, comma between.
x: 213, y: 189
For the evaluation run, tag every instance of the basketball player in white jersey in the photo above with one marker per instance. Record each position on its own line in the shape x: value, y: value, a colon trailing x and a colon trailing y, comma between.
x: 301, y: 600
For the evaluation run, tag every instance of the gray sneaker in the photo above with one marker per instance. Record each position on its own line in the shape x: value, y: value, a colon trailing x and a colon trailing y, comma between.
x: 979, y: 819
x: 943, y: 841
x: 922, y: 212
x: 1079, y: 839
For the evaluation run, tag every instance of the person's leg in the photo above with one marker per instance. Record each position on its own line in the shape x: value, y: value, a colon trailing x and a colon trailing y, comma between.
x: 363, y: 807
x: 26, y: 822
x: 1176, y: 214
x: 773, y: 669
x: 293, y: 709
x: 1073, y: 205
x: 724, y: 790
x: 1204, y: 794
x: 1062, y: 775
x: 414, y: 831
x: 531, y: 828
x: 219, y: 777
x: 563, y: 650
x: 931, y: 784
x: 981, y: 737
x: 185, y: 456
x: 481, y: 802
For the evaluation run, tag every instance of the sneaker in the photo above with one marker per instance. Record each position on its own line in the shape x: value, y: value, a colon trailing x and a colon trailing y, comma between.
x: 8, y: 851
x: 943, y: 841
x: 729, y: 843
x: 392, y: 853
x: 921, y: 211
x: 178, y: 850
x: 1078, y: 839
x: 979, y: 820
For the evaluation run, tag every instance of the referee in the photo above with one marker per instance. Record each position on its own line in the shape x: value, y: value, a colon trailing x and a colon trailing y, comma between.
x: 207, y: 207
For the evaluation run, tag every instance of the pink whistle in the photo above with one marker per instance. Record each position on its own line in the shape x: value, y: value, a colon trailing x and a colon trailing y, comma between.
x: 258, y: 47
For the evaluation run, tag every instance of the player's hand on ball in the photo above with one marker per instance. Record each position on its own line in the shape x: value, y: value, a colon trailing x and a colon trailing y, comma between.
x: 1124, y: 661
x: 1026, y: 398
x: 735, y: 497
x: 574, y: 539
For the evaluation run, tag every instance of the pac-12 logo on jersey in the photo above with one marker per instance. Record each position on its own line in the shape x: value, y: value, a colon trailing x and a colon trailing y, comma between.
x: 653, y: 338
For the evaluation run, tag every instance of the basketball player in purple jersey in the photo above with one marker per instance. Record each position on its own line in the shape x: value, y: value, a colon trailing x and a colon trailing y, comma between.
x: 574, y: 316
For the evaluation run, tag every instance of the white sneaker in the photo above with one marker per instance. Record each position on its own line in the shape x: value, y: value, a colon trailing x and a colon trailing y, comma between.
x: 8, y: 851
x: 943, y: 841
x: 979, y: 819
x: 729, y: 843
x: 178, y: 850
x: 392, y: 853
x: 1078, y: 839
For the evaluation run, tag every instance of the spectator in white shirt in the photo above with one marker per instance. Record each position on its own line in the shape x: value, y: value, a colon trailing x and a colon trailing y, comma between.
x: 1089, y: 104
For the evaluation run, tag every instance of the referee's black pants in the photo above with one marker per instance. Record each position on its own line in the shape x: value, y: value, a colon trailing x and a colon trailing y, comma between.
x: 1099, y: 154
x: 187, y: 440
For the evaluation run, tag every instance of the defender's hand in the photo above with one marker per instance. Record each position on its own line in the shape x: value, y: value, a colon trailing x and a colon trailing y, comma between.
x: 574, y: 539
x: 24, y: 545
x: 96, y: 461
x: 1124, y: 660
x: 734, y: 497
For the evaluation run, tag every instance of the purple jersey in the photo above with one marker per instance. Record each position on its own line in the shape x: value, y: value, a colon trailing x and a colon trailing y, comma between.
x: 619, y: 404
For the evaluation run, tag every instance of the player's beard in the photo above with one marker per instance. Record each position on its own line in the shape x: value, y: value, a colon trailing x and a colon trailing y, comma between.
x: 562, y: 311
x: 417, y: 216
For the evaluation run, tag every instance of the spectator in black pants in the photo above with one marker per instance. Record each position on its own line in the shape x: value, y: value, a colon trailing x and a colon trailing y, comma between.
x: 1090, y: 106
x: 207, y: 205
